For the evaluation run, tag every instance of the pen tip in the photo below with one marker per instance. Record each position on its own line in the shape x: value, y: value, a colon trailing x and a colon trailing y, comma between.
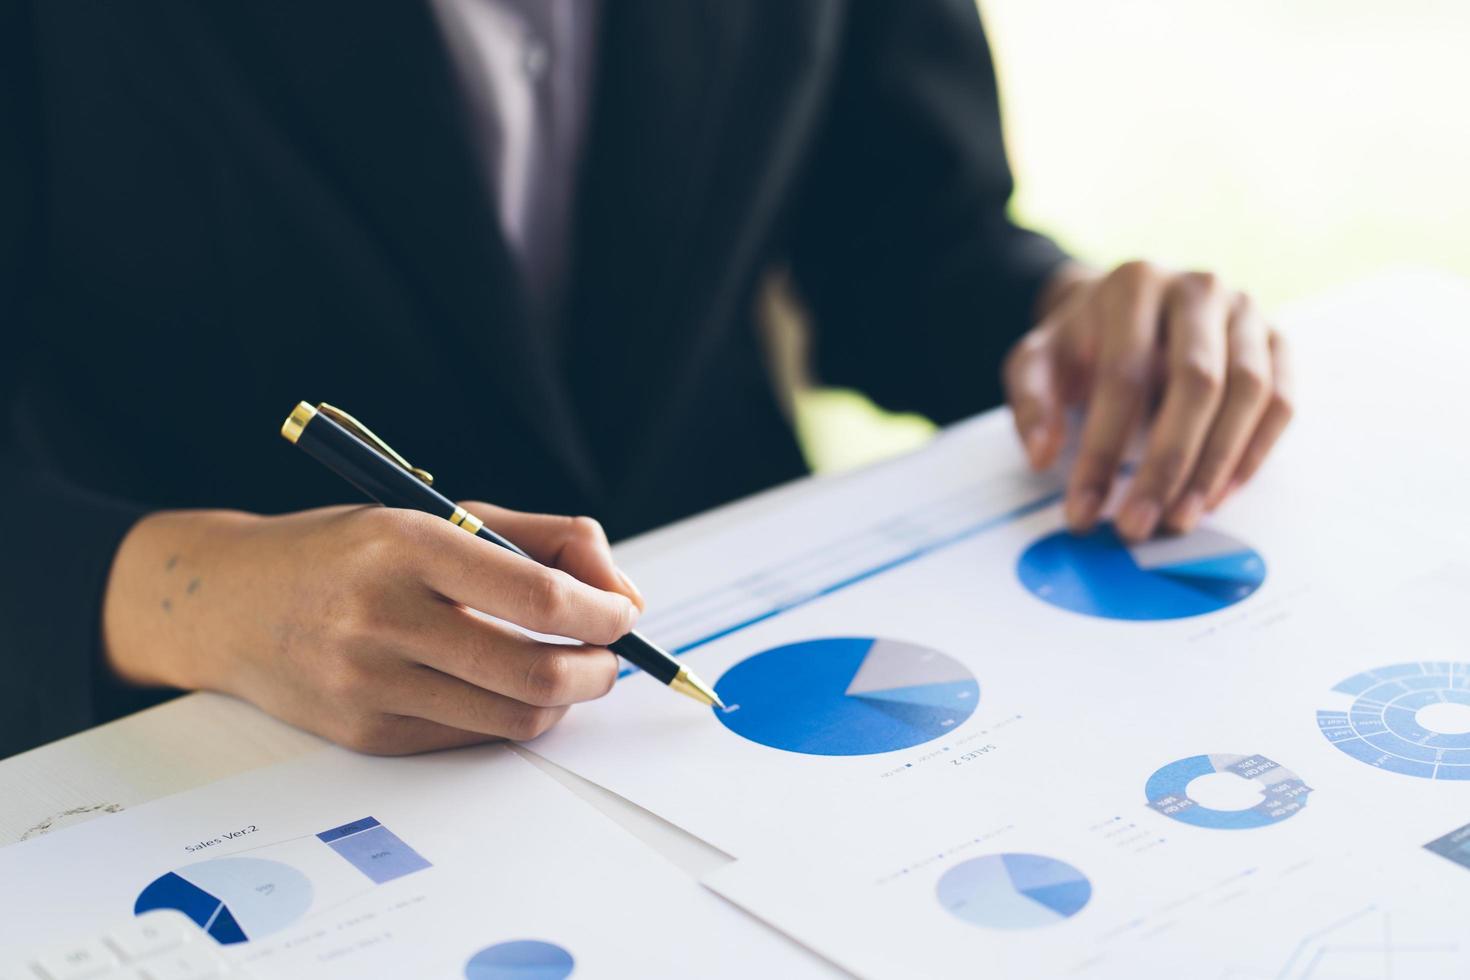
x: 689, y: 683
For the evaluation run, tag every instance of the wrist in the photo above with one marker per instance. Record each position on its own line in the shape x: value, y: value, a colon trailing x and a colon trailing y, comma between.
x: 166, y: 598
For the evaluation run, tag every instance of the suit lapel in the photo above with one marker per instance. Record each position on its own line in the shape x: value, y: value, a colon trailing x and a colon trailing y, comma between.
x: 367, y: 91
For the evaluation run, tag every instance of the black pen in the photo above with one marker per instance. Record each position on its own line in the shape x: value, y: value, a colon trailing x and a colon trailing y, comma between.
x: 351, y: 450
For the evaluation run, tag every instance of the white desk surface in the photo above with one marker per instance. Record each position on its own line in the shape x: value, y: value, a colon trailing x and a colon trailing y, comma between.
x: 1393, y: 333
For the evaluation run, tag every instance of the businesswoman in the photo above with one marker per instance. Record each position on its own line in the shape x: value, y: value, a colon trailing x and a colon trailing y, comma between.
x: 532, y: 225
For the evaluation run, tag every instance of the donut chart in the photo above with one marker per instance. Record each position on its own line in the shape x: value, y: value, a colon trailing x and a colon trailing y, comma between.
x: 1385, y: 725
x: 1097, y: 574
x: 1013, y: 891
x: 847, y: 695
x: 520, y: 959
x: 1283, y: 794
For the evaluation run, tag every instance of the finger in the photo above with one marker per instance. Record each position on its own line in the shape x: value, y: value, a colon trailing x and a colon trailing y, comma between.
x: 1279, y: 410
x: 1031, y: 383
x: 489, y: 656
x: 448, y: 701
x: 480, y: 575
x: 1247, y: 390
x: 1195, y: 321
x: 576, y: 545
x: 403, y: 735
x: 1129, y: 302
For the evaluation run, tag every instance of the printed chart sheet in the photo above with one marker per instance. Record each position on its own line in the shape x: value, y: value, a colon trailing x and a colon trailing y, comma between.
x: 469, y: 864
x: 960, y: 740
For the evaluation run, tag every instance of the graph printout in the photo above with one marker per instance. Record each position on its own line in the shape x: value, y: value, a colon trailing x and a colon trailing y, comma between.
x: 1140, y: 845
x: 1159, y: 759
x: 471, y: 864
x: 930, y: 623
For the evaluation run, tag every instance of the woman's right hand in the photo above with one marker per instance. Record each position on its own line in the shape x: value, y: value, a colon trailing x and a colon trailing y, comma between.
x: 365, y: 625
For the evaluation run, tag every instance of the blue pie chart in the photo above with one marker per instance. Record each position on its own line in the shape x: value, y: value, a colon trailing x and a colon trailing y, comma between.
x: 1098, y: 574
x: 520, y: 959
x: 846, y: 696
x: 234, y: 899
x: 1013, y: 891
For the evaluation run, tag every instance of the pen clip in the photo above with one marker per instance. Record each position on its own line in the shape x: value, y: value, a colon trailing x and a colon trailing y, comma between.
x: 371, y: 438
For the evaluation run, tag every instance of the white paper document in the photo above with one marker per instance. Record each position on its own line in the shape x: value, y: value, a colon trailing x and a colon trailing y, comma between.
x: 962, y: 742
x: 470, y: 865
x: 940, y: 631
x: 1278, y: 830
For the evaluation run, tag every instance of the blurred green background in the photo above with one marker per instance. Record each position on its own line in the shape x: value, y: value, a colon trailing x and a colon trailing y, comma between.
x: 1289, y: 145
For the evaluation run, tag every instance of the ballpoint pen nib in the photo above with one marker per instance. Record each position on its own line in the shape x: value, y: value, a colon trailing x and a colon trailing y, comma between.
x: 689, y: 684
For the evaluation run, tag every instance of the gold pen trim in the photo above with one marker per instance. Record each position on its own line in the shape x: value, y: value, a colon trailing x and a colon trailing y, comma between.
x: 689, y: 685
x: 296, y: 421
x: 352, y: 425
x: 464, y: 519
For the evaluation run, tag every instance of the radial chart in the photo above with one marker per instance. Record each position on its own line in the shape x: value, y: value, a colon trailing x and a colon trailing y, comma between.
x: 1409, y: 718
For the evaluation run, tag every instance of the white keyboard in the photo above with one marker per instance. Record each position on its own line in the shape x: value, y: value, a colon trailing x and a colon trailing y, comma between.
x: 159, y: 945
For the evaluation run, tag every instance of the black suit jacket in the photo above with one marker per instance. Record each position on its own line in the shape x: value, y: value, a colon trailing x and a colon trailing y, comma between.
x: 209, y: 210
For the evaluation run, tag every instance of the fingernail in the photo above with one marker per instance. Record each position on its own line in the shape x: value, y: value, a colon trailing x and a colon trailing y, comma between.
x: 1082, y: 508
x: 1184, y: 515
x: 1036, y: 446
x: 636, y: 595
x: 1223, y: 494
x: 1137, y: 519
